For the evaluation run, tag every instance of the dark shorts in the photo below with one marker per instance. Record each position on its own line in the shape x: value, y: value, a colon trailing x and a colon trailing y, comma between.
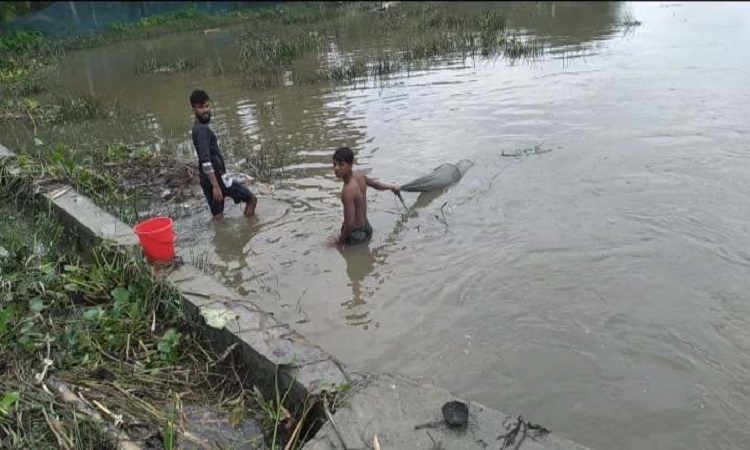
x: 359, y: 235
x: 237, y: 192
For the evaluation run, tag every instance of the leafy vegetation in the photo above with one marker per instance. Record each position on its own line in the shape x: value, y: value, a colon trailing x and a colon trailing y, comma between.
x: 59, y: 164
x: 25, y: 59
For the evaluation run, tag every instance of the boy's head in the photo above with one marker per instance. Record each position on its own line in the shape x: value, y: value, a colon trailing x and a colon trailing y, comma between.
x: 343, y: 158
x: 201, y: 108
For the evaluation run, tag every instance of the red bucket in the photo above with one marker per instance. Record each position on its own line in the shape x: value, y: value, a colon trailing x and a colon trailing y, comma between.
x: 157, y: 238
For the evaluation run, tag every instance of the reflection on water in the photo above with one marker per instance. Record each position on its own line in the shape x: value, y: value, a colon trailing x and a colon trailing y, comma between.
x: 599, y: 288
x: 424, y: 199
x: 569, y: 23
x: 231, y: 237
x: 360, y: 263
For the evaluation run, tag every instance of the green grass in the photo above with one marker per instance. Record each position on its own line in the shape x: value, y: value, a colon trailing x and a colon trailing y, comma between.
x: 53, y: 165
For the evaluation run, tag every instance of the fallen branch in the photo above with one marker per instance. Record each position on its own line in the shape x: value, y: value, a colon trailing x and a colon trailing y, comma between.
x: 31, y: 118
x: 333, y: 423
x: 298, y: 429
x: 39, y: 377
x: 61, y: 391
x: 510, y: 437
x: 519, y: 431
x: 536, y: 150
x: 62, y: 440
x: 442, y: 212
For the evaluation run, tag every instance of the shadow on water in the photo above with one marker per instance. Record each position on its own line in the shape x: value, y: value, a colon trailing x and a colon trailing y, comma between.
x: 425, y: 199
x: 230, y: 239
x: 568, y: 23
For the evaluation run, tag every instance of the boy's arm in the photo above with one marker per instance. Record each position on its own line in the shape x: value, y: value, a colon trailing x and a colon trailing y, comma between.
x: 382, y: 186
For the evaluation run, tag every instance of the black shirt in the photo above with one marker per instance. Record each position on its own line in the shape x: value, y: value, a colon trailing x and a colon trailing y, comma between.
x: 207, y: 147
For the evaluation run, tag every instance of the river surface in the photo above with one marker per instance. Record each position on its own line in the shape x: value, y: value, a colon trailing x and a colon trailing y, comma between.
x: 599, y: 287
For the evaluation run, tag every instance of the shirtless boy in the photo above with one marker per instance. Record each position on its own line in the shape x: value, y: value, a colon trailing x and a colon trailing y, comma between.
x: 356, y: 228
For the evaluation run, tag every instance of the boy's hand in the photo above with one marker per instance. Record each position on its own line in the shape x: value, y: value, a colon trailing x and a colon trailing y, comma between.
x: 396, y: 189
x: 218, y: 196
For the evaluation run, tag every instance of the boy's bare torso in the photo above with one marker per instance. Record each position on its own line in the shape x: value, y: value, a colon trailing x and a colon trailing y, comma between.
x: 356, y: 189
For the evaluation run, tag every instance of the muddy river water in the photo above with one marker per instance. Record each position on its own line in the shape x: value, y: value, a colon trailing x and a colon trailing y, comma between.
x: 599, y: 287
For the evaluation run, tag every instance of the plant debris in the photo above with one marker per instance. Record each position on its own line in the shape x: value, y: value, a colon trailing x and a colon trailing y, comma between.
x: 535, y: 150
x: 519, y: 431
x: 158, y: 177
x: 155, y: 66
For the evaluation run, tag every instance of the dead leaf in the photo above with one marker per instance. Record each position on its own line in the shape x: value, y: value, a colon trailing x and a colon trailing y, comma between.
x: 217, y: 317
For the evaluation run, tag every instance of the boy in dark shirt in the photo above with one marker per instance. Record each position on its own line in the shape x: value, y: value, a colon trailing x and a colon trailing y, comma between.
x: 214, y: 180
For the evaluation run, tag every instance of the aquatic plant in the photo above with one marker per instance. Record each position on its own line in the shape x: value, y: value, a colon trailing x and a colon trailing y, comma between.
x: 155, y: 66
x: 629, y: 21
x: 267, y: 163
x: 430, y: 33
x: 17, y: 41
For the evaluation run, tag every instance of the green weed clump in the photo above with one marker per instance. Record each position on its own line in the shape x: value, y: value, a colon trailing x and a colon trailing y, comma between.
x: 26, y: 58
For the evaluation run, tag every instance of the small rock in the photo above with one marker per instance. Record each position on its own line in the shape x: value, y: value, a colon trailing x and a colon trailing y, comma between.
x: 456, y: 413
x: 4, y: 253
